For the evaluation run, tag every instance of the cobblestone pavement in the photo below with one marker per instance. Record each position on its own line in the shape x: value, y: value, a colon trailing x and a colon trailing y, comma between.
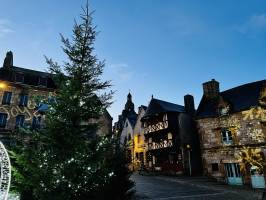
x: 188, y: 188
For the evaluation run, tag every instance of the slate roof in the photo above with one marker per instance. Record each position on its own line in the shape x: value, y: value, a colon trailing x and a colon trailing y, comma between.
x: 157, y: 106
x: 132, y: 120
x: 239, y: 98
x: 144, y: 107
x: 31, y: 77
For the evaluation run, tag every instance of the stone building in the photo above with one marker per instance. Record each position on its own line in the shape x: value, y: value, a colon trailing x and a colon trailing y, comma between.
x: 18, y: 88
x: 170, y: 134
x: 140, y: 146
x: 232, y: 131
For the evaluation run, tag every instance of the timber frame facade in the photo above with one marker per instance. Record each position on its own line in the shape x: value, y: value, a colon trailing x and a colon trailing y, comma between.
x: 169, y: 130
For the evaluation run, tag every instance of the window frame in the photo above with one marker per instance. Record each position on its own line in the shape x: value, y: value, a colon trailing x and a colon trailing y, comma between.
x: 227, y: 137
x: 25, y: 100
x: 20, y: 123
x: 3, y: 120
x: 7, y: 97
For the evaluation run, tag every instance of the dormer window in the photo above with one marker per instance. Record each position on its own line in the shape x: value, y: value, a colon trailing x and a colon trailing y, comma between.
x: 19, y: 78
x: 43, y: 81
x: 224, y: 110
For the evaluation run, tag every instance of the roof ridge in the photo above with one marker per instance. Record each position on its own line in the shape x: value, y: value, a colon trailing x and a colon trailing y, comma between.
x: 168, y: 102
x: 244, y: 85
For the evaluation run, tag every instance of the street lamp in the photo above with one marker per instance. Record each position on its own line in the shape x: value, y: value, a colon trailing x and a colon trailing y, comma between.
x: 189, y: 159
x: 2, y: 85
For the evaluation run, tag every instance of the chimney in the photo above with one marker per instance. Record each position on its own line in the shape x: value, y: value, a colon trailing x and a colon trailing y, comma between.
x: 8, y: 62
x: 211, y: 89
x: 189, y: 104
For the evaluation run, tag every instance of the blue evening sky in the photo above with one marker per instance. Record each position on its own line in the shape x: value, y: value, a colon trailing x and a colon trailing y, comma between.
x: 167, y: 48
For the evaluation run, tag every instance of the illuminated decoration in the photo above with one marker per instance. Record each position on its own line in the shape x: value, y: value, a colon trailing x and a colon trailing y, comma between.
x: 256, y: 134
x: 160, y: 145
x: 250, y: 157
x: 255, y: 113
x: 17, y: 110
x: 156, y: 127
x: 5, y: 178
x: 258, y: 113
x: 232, y: 124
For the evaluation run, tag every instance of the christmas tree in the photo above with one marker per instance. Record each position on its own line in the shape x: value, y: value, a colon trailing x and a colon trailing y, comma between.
x: 66, y: 159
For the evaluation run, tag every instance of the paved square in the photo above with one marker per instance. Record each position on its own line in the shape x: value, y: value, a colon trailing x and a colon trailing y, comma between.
x: 188, y: 188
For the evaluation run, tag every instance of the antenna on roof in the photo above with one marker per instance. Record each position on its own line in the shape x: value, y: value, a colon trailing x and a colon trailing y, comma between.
x: 152, y: 96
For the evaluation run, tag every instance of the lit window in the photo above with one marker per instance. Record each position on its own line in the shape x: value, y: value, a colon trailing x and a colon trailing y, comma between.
x: 20, y: 120
x: 150, y: 140
x: 3, y: 119
x: 23, y: 101
x: 169, y: 136
x: 7, y: 98
x: 227, y: 136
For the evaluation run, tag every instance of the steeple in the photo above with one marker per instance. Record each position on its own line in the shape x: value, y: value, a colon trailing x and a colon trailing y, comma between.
x: 129, y: 106
x: 129, y: 97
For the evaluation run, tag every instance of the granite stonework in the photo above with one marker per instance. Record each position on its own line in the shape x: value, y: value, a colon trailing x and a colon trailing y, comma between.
x: 246, y: 127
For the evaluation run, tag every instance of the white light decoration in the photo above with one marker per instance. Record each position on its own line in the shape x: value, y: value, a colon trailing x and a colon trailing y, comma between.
x: 5, y: 176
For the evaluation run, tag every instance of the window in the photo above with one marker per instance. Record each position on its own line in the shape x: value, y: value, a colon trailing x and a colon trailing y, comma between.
x: 19, y: 78
x: 129, y: 137
x: 169, y: 136
x: 20, y: 120
x: 3, y: 119
x: 43, y: 81
x: 6, y: 98
x: 23, y: 101
x: 227, y: 136
x: 138, y: 139
x: 36, y: 122
x: 215, y: 167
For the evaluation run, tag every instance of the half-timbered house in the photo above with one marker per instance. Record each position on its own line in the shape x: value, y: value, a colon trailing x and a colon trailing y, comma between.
x: 171, y: 137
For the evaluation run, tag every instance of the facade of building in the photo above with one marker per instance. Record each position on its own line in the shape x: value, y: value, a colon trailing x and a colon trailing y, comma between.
x: 171, y: 138
x: 232, y: 128
x: 139, y: 143
x: 19, y: 88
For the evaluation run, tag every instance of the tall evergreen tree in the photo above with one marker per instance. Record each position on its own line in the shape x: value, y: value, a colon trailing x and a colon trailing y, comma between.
x: 66, y: 159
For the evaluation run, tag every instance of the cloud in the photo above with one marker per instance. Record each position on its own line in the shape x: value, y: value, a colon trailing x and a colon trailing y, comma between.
x: 254, y: 24
x: 5, y: 27
x: 122, y: 71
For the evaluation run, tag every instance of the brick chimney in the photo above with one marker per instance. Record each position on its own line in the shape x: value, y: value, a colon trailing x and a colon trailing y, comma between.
x: 189, y: 104
x: 8, y: 62
x: 211, y: 89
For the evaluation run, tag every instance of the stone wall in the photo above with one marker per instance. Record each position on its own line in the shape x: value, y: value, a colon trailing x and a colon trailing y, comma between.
x: 14, y: 109
x: 248, y: 130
